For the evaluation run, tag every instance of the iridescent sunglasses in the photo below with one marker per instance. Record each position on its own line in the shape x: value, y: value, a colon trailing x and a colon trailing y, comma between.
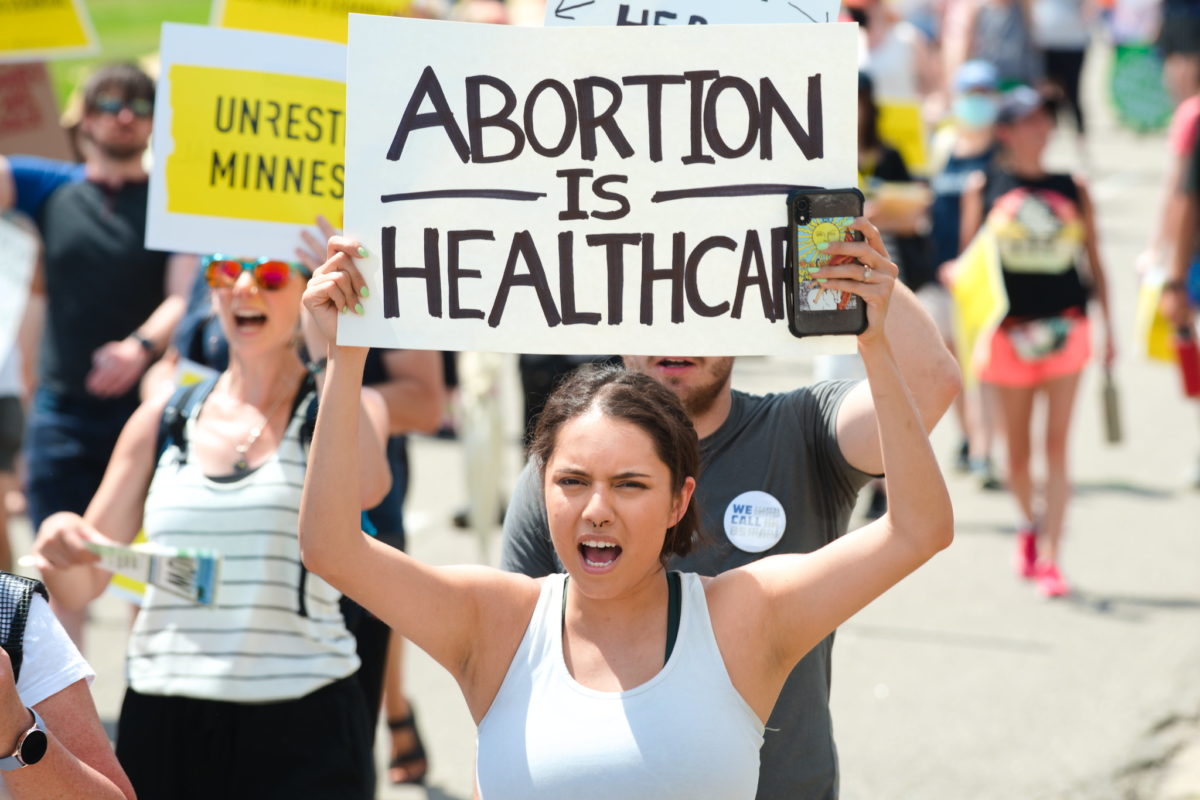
x: 271, y: 274
x: 139, y: 106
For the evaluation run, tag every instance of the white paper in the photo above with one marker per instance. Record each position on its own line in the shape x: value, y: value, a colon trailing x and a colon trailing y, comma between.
x: 387, y: 59
x: 18, y: 254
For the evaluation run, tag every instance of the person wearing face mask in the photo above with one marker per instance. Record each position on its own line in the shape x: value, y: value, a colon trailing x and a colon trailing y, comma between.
x: 966, y: 146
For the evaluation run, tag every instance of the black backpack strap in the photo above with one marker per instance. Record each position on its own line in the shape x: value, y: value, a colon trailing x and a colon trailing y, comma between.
x: 16, y: 595
x: 172, y: 428
x: 307, y: 429
x: 309, y: 426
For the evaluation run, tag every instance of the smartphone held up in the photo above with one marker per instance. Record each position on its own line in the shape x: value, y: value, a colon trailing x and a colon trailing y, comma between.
x: 815, y: 218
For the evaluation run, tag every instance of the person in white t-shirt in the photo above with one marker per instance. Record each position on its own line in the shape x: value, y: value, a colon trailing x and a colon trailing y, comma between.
x: 51, y: 741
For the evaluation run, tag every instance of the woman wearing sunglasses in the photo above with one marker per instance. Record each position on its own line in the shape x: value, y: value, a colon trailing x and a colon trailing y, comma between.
x: 254, y: 697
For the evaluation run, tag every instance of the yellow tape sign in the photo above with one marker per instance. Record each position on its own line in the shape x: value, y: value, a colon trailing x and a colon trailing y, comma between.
x: 256, y: 145
x: 40, y: 25
x: 316, y: 19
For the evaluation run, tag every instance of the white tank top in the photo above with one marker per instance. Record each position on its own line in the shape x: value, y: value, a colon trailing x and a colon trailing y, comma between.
x: 277, y: 632
x: 686, y: 733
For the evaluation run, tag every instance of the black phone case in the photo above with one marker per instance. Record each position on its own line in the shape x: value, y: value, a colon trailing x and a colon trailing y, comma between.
x: 804, y: 206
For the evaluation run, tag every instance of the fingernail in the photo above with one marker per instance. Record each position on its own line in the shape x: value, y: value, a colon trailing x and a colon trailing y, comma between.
x: 365, y: 292
x: 822, y: 245
x: 362, y: 251
x: 345, y: 309
x: 358, y: 309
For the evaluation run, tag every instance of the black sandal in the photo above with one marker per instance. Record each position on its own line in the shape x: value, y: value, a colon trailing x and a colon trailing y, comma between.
x: 413, y: 755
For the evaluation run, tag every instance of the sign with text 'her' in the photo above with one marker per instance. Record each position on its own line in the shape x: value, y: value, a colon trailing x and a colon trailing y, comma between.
x: 571, y: 190
x: 688, y: 12
x: 249, y: 136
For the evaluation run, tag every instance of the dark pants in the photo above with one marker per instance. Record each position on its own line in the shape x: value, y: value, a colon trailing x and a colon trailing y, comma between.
x: 12, y: 430
x: 315, y: 747
x: 1064, y: 68
x: 67, y: 446
x: 370, y: 635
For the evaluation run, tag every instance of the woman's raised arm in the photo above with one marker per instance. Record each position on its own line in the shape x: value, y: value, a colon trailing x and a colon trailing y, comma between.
x: 469, y: 619
x: 791, y: 602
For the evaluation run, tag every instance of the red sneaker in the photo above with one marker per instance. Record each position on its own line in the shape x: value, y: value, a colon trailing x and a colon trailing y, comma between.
x: 1050, y: 581
x: 1025, y: 557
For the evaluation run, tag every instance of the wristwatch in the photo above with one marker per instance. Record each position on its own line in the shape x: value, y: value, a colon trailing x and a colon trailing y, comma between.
x: 145, y: 342
x: 31, y: 746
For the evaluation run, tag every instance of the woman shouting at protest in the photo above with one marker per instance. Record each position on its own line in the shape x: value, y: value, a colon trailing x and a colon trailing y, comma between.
x: 620, y: 679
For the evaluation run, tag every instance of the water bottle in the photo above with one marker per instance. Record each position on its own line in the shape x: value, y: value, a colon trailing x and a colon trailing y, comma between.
x: 1112, y: 409
x: 1189, y: 360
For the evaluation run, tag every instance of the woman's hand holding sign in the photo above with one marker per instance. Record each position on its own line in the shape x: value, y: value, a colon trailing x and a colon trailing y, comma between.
x: 336, y: 287
x: 872, y: 277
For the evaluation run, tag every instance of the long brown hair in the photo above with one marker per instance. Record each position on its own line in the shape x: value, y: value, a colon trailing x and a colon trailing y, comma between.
x: 641, y: 401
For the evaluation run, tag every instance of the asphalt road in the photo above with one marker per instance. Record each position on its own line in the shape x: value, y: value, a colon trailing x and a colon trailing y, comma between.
x: 962, y: 682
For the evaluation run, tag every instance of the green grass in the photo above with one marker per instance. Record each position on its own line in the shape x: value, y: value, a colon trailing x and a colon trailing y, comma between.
x: 127, y: 30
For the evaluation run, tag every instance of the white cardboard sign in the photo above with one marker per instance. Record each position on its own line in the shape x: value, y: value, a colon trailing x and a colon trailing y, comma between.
x: 601, y: 190
x: 249, y: 137
x: 688, y: 12
x: 18, y: 250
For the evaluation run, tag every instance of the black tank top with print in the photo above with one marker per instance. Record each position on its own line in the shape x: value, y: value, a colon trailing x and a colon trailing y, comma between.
x: 1039, y: 230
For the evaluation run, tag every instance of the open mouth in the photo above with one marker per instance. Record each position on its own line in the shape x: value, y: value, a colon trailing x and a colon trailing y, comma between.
x: 599, y: 555
x: 674, y: 363
x: 249, y: 321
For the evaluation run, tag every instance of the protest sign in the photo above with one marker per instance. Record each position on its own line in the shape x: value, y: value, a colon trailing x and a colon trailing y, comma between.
x: 622, y: 192
x: 33, y: 31
x: 316, y: 19
x: 688, y: 12
x: 980, y: 302
x: 29, y: 113
x: 249, y: 128
x: 1155, y: 334
x: 18, y: 251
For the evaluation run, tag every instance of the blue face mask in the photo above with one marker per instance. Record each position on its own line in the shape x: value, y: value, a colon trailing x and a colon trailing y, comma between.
x: 975, y: 110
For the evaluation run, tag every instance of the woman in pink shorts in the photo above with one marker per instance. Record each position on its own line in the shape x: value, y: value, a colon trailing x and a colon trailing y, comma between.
x: 1046, y: 234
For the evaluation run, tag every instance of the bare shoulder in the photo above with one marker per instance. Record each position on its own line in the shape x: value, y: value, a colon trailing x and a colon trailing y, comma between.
x: 740, y: 595
x: 143, y: 424
x: 499, y: 591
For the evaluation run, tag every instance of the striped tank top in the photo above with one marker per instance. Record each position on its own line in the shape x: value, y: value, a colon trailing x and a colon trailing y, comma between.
x: 277, y: 631
x: 684, y: 734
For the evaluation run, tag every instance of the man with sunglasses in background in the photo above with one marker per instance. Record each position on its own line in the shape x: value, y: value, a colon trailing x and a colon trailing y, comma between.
x: 110, y: 304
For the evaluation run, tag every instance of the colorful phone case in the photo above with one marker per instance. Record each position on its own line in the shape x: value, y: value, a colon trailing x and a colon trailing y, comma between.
x: 816, y: 217
x: 812, y: 295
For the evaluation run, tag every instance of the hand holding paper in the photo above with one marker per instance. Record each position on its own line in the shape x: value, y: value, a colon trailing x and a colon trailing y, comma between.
x: 66, y: 541
x: 62, y: 543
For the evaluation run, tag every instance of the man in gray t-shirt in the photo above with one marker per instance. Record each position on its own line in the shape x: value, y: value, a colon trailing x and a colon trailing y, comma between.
x: 778, y: 474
